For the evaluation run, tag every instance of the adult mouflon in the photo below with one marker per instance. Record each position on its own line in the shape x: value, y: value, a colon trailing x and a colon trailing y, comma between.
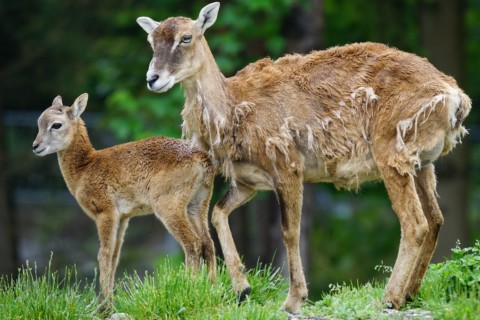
x: 344, y: 115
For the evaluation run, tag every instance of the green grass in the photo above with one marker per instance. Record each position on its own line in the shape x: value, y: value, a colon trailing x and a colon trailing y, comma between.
x: 171, y: 293
x: 46, y: 296
x: 450, y: 290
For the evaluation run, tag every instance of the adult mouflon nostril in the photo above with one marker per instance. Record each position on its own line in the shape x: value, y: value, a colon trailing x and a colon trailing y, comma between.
x: 35, y: 146
x: 152, y: 80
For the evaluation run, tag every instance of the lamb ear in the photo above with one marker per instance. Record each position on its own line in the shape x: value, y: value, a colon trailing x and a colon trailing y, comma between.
x: 147, y: 24
x: 207, y: 17
x: 79, y: 105
x: 57, y: 102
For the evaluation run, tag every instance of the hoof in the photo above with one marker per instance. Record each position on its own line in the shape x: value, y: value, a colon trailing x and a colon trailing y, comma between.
x: 390, y: 302
x: 292, y: 308
x: 388, y: 305
x: 244, y: 294
x: 391, y: 305
x: 408, y: 297
x: 105, y: 311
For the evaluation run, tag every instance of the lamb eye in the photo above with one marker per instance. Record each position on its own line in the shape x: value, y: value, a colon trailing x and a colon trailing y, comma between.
x: 56, y: 126
x: 186, y: 39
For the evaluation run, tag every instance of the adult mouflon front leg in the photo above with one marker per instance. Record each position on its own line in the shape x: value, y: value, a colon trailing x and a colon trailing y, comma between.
x: 234, y: 198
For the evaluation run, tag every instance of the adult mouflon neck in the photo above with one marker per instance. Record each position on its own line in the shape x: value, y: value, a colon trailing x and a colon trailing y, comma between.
x: 207, y: 101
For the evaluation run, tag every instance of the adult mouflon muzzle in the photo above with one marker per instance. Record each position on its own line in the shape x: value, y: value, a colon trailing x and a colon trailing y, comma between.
x: 159, y: 82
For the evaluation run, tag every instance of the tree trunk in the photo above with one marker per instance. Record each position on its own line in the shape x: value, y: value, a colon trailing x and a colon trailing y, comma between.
x: 442, y: 37
x: 8, y: 252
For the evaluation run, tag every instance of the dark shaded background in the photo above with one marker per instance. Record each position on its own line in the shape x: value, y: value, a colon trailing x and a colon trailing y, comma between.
x: 68, y: 47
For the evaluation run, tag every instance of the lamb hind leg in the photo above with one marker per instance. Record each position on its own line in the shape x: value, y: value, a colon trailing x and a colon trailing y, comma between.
x: 234, y: 198
x: 198, y: 214
x: 174, y: 217
x: 425, y: 182
x: 118, y: 247
x: 414, y: 228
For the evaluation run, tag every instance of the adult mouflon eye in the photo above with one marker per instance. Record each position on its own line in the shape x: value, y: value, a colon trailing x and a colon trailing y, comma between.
x: 186, y: 38
x: 56, y: 126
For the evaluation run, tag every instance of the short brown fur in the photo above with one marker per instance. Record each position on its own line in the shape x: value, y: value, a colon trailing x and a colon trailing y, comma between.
x: 161, y: 175
x: 345, y: 115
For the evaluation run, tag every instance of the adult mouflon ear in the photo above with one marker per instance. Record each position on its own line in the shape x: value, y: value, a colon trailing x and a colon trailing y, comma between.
x: 207, y: 17
x: 79, y: 105
x: 147, y: 24
x: 57, y: 102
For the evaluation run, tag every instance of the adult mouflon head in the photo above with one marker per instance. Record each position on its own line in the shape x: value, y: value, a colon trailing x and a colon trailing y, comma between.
x: 177, y: 47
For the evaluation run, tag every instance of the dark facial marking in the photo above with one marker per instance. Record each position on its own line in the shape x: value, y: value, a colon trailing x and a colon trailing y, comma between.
x: 169, y: 28
x: 164, y: 39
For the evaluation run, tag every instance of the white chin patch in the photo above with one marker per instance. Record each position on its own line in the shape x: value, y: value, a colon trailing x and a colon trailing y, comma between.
x: 162, y: 85
x: 42, y: 152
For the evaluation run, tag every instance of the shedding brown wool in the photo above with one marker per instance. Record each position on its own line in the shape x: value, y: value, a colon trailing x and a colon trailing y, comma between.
x: 346, y: 115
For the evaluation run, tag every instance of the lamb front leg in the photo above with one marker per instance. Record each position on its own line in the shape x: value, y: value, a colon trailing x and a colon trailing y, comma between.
x: 107, y: 227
